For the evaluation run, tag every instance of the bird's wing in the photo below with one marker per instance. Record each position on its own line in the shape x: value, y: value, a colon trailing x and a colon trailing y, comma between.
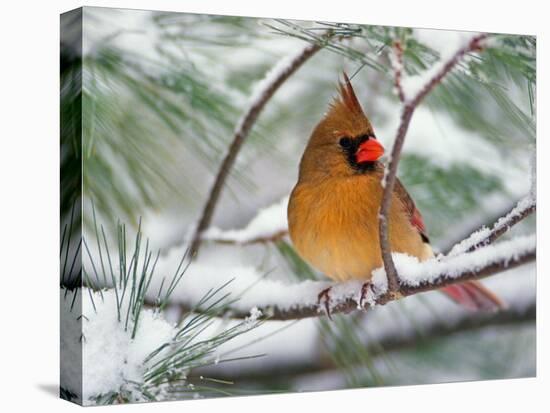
x: 412, y: 211
x: 470, y: 294
x: 474, y: 296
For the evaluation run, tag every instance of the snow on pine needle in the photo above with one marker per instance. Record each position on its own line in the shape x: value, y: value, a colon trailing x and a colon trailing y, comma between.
x: 112, y: 361
x: 127, y: 350
x: 412, y: 86
x: 117, y: 366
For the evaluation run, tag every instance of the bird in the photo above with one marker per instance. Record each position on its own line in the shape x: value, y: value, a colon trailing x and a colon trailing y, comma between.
x: 334, y: 206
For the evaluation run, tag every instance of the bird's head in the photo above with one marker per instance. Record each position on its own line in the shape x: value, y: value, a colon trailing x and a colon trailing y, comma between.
x: 343, y: 143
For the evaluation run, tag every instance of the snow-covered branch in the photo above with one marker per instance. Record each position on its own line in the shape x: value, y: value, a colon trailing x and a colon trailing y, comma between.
x: 433, y: 78
x: 268, y: 225
x: 280, y: 301
x: 484, y: 235
x: 263, y: 92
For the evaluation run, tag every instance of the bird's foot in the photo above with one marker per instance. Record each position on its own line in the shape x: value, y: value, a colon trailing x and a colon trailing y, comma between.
x: 364, y: 290
x: 324, y: 296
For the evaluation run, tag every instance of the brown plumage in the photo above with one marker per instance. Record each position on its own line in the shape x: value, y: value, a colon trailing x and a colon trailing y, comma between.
x: 333, y: 209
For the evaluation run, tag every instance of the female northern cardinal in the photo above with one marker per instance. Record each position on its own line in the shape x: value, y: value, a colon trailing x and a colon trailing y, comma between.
x: 333, y: 209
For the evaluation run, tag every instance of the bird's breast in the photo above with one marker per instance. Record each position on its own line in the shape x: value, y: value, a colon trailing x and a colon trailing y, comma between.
x: 334, y: 226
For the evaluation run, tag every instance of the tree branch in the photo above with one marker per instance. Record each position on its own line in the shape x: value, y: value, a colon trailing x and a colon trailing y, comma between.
x: 395, y: 288
x: 242, y: 130
x: 463, y: 232
x: 351, y: 304
x: 485, y: 236
x: 397, y: 64
x: 274, y: 237
x: 391, y: 170
x: 347, y: 302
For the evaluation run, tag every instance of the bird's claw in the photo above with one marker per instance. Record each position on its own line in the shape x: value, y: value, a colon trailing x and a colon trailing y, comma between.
x: 325, y: 297
x: 364, y: 290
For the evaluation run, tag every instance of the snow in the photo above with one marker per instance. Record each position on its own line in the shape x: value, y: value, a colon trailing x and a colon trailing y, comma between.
x: 474, y: 239
x: 172, y: 221
x: 444, y: 42
x: 446, y: 143
x: 523, y: 205
x: 267, y: 223
x: 386, y: 172
x: 437, y: 137
x: 255, y: 315
x: 483, y: 233
x: 262, y: 87
x: 254, y: 290
x: 71, y: 349
x: 396, y: 61
x: 413, y: 85
x: 516, y: 287
x: 290, y: 344
x: 110, y: 358
x: 280, y: 68
x: 106, y: 359
x: 247, y: 285
x: 246, y: 282
x: 414, y: 273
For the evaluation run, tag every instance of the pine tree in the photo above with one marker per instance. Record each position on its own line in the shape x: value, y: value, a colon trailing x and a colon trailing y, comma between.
x: 162, y: 98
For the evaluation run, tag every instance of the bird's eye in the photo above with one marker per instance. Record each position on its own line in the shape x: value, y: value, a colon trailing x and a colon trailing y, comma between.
x: 345, y: 142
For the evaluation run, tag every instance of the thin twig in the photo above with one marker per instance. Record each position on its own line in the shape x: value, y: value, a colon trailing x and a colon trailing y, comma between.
x: 460, y: 231
x: 241, y: 132
x: 522, y: 210
x: 391, y: 172
x: 274, y: 237
x: 397, y: 64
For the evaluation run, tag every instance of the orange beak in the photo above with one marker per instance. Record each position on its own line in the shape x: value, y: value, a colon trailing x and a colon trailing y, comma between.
x: 369, y: 151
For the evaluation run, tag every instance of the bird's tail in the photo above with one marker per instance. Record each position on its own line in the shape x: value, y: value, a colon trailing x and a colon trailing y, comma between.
x: 474, y: 296
x: 471, y: 294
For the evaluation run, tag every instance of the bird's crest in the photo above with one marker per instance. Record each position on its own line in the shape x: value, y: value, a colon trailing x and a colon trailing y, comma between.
x: 345, y: 112
x: 348, y: 98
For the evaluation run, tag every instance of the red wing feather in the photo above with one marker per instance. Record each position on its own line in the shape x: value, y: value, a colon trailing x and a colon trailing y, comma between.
x: 418, y: 222
x: 410, y: 208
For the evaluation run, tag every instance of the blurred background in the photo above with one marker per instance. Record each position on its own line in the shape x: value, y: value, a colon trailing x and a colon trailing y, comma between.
x: 161, y: 95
